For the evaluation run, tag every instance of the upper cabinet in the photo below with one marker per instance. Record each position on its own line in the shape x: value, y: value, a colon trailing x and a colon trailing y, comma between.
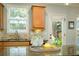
x: 1, y: 16
x: 38, y: 17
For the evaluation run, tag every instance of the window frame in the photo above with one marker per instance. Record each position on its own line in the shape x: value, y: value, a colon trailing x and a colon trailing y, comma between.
x: 8, y: 21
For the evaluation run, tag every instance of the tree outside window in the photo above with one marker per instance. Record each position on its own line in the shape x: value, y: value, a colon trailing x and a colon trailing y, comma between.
x: 17, y: 19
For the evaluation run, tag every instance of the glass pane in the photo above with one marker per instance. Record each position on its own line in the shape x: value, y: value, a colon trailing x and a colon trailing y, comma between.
x: 21, y: 26
x: 14, y: 26
x: 18, y: 12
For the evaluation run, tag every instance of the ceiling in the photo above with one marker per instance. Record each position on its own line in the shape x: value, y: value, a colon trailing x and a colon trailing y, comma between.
x: 69, y: 4
x: 58, y: 4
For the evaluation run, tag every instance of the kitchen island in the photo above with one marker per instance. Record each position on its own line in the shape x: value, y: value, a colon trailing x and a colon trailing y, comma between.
x: 24, y: 51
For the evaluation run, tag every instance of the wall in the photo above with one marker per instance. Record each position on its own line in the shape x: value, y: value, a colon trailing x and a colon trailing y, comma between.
x: 70, y: 13
x: 54, y: 13
x: 4, y: 33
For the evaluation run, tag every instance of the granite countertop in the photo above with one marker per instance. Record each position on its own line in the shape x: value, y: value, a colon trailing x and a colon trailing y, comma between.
x: 14, y: 40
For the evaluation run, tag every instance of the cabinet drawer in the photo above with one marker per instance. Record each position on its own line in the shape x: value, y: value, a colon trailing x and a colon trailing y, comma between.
x: 16, y: 44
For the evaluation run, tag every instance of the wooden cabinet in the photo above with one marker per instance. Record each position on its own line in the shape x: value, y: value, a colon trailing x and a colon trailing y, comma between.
x: 5, y: 44
x: 1, y: 17
x: 38, y: 17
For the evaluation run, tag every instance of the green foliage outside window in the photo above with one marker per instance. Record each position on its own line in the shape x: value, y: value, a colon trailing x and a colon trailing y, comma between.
x: 17, y: 18
x: 17, y: 26
x: 17, y: 12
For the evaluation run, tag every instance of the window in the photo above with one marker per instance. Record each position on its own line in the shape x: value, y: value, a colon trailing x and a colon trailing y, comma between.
x: 17, y: 20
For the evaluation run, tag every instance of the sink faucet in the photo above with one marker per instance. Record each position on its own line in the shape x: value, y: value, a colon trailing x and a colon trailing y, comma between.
x: 17, y: 35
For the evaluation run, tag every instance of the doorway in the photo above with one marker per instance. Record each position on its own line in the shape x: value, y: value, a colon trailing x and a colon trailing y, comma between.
x: 57, y: 32
x: 59, y: 27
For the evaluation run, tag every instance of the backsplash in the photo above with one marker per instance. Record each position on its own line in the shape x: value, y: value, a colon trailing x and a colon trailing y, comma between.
x: 5, y: 37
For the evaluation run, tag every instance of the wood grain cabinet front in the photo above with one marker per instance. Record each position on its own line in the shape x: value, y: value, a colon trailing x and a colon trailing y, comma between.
x: 1, y: 16
x: 8, y: 44
x: 38, y: 17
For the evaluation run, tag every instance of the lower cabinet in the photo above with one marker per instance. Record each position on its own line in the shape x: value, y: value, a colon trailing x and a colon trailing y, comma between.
x: 14, y: 48
x: 16, y: 51
x: 5, y: 44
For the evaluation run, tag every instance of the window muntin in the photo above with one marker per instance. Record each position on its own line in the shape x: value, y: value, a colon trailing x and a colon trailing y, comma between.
x: 17, y: 20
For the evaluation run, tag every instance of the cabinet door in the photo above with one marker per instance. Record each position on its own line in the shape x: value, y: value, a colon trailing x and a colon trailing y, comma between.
x: 38, y: 17
x: 1, y: 17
